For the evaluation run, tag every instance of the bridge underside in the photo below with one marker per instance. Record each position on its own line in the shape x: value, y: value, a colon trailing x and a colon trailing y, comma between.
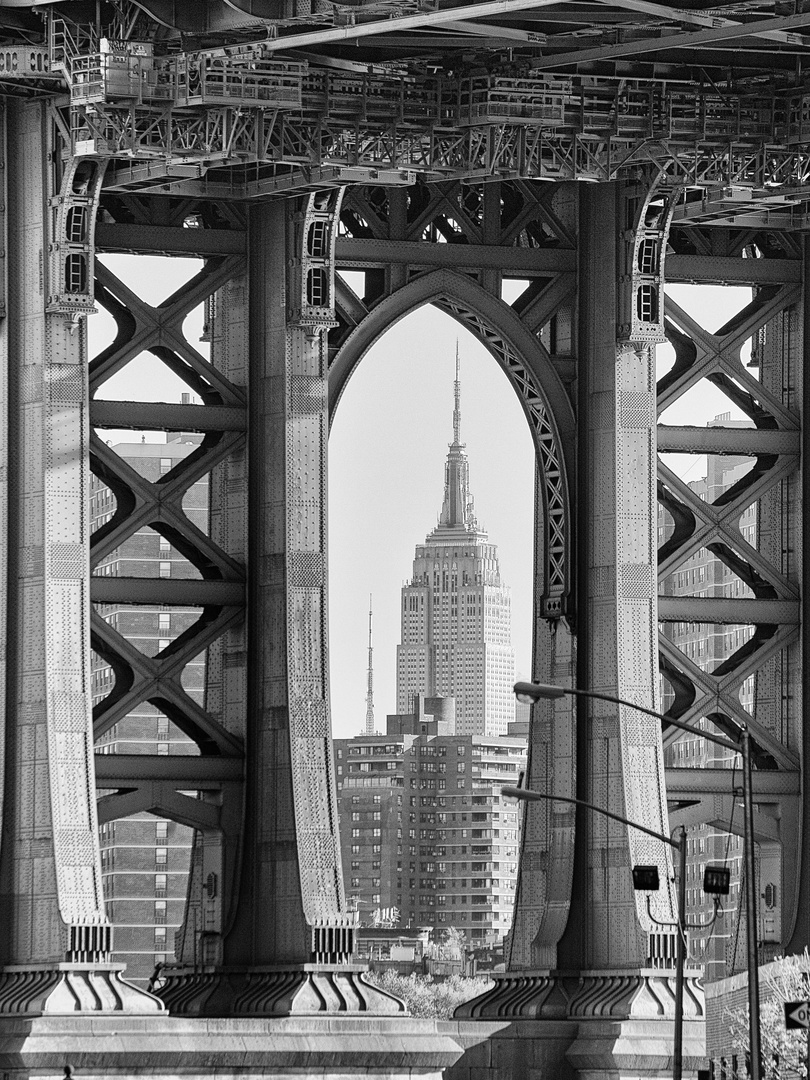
x: 437, y: 151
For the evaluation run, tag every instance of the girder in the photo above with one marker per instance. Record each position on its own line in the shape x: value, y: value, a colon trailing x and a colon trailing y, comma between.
x: 768, y: 785
x: 217, y: 109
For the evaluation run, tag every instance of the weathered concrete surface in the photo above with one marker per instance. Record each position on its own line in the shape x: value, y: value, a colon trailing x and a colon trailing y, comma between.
x: 628, y: 1049
x: 512, y: 1049
x: 164, y: 1048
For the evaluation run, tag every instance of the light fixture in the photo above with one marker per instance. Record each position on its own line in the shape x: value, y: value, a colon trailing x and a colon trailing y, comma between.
x: 716, y: 880
x: 529, y: 692
x: 645, y: 879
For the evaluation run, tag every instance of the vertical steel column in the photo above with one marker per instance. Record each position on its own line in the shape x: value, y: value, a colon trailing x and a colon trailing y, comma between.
x: 620, y: 757
x: 800, y: 916
x: 292, y: 874
x: 626, y: 961
x: 55, y: 945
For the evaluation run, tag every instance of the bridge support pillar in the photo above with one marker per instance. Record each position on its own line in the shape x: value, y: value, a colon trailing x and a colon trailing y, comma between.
x: 611, y: 990
x: 56, y: 941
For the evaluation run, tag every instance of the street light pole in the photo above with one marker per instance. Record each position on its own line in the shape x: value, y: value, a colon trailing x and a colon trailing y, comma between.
x: 751, y: 907
x: 533, y: 692
x: 681, y: 959
x: 679, y: 846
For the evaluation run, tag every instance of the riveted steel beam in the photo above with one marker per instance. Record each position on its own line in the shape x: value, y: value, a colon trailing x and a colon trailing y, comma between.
x: 713, y: 269
x: 722, y: 609
x: 160, y: 240
x: 362, y: 253
x: 404, y: 22
x: 179, y: 591
x: 642, y: 46
x: 125, y: 770
x: 766, y: 782
x: 720, y: 440
x: 157, y: 416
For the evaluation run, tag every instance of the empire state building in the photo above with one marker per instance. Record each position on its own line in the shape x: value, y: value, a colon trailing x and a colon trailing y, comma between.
x: 456, y: 612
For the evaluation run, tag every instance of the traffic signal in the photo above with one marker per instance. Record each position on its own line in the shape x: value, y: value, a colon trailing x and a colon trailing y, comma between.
x: 716, y: 880
x: 645, y: 878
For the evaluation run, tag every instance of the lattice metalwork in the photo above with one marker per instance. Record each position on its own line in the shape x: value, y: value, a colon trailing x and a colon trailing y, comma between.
x: 238, y: 111
x: 698, y: 524
x: 159, y: 505
x: 765, y: 564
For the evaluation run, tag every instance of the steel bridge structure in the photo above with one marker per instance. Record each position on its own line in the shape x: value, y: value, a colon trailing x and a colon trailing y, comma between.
x: 595, y: 150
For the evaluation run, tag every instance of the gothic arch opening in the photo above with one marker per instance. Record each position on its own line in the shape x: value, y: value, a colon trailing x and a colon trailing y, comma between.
x: 537, y: 391
x: 388, y: 449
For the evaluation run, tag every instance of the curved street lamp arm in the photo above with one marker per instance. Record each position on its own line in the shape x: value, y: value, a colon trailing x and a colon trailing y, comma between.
x: 525, y: 793
x: 536, y: 691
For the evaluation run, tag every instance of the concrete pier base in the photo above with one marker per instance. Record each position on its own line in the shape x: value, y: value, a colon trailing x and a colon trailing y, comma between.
x: 163, y: 1047
x: 635, y: 1049
x: 572, y: 1050
x: 546, y: 1025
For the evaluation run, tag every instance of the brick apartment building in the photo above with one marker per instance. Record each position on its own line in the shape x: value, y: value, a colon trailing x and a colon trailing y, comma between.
x: 424, y: 828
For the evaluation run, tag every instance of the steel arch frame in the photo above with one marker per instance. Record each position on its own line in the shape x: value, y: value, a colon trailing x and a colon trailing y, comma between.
x: 539, y: 388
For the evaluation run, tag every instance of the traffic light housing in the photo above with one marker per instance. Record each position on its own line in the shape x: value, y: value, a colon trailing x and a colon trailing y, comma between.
x: 716, y: 880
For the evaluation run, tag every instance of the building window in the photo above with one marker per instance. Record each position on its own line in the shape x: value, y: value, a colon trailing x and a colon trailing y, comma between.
x: 161, y: 856
x: 161, y: 830
x: 160, y: 911
x: 165, y: 569
x: 160, y: 884
x: 163, y: 749
x: 165, y: 465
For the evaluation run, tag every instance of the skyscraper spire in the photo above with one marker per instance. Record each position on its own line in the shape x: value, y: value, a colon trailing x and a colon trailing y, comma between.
x: 370, y: 686
x: 457, y: 409
x: 457, y: 508
x: 455, y: 611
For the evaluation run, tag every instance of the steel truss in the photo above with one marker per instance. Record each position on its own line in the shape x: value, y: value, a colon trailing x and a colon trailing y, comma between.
x: 520, y: 230
x: 245, y: 117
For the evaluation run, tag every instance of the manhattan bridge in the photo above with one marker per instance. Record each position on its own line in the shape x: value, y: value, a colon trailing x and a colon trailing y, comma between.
x: 595, y: 150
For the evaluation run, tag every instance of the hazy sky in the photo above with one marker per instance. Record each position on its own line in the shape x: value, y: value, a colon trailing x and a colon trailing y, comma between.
x: 386, y: 467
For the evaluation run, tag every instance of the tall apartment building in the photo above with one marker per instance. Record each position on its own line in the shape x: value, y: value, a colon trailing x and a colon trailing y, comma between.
x: 424, y: 828
x: 145, y: 860
x: 718, y: 945
x: 456, y: 612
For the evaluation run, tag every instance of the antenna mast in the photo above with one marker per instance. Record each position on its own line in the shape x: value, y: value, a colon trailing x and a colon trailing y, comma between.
x: 370, y: 687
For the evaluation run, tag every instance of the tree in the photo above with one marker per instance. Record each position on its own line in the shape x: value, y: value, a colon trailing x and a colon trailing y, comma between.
x: 451, y: 946
x: 428, y: 999
x: 784, y: 1053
